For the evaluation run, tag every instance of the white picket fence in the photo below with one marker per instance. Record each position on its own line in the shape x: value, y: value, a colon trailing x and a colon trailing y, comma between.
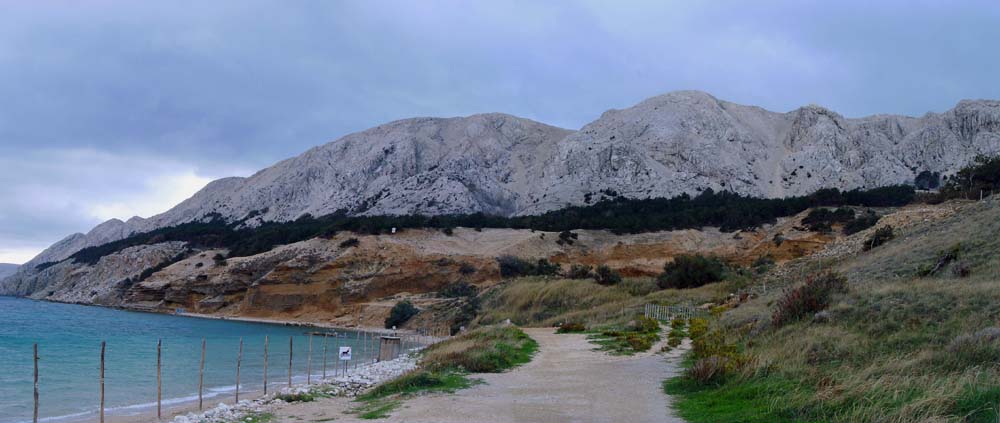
x: 668, y: 313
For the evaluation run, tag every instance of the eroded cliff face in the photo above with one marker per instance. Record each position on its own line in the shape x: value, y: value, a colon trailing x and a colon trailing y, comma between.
x: 341, y: 282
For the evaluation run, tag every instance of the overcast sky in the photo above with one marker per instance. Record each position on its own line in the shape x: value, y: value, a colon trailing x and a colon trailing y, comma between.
x: 121, y: 108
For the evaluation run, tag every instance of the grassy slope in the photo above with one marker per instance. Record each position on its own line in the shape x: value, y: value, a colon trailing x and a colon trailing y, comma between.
x: 893, y: 350
x: 538, y: 301
x: 445, y: 366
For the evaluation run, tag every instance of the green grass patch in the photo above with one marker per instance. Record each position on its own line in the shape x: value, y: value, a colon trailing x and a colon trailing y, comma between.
x: 486, y: 350
x: 758, y: 400
x: 638, y: 336
x: 420, y: 381
x: 979, y: 405
x: 376, y: 409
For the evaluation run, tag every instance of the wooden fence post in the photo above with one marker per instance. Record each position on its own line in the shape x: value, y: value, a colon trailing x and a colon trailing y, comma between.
x: 309, y: 361
x: 336, y: 350
x: 201, y: 374
x: 239, y: 362
x: 265, y: 364
x: 290, y: 351
x: 102, y: 380
x: 159, y: 379
x: 35, y: 419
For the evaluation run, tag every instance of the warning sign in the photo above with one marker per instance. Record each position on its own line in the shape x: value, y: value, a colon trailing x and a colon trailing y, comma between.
x: 345, y: 353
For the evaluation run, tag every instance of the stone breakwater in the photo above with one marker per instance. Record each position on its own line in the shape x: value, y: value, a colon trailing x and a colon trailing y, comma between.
x: 350, y: 385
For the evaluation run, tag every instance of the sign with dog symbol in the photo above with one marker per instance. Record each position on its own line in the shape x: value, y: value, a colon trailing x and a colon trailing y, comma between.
x: 345, y: 353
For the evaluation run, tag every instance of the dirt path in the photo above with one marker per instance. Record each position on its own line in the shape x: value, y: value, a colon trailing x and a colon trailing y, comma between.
x: 566, y: 382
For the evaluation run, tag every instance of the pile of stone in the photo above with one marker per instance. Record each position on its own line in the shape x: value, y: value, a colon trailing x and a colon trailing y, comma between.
x: 350, y: 385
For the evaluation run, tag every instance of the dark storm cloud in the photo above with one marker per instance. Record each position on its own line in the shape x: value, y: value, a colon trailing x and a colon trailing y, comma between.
x: 212, y: 88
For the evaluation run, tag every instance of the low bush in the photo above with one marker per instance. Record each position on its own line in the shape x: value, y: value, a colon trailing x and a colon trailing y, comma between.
x: 607, y: 276
x: 697, y: 327
x: 709, y: 370
x: 466, y: 269
x: 643, y: 324
x: 690, y: 271
x: 943, y: 259
x: 512, y: 267
x: 881, y: 236
x: 811, y: 297
x: 349, y: 242
x: 571, y: 327
x: 860, y: 223
x: 677, y: 323
x: 458, y: 289
x: 821, y: 219
x: 579, y: 271
x: 400, y: 314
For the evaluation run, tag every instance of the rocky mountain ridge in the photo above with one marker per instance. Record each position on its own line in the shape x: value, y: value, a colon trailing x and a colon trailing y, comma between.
x: 680, y: 142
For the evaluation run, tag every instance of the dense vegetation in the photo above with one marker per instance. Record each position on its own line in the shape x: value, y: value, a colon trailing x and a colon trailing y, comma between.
x: 912, y: 336
x: 725, y: 210
x: 691, y: 271
x: 982, y: 177
x: 400, y: 314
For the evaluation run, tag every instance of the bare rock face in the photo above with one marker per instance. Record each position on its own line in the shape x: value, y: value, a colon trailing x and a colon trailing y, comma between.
x: 7, y: 269
x: 689, y: 141
x: 681, y: 142
x: 102, y: 283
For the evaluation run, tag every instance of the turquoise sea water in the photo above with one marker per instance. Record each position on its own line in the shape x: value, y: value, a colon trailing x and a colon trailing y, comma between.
x: 69, y: 341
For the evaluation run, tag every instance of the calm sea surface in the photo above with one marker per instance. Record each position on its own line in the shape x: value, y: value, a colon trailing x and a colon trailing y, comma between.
x: 69, y: 342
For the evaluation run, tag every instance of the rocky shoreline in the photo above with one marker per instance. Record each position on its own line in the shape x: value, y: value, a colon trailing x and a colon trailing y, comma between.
x: 349, y: 386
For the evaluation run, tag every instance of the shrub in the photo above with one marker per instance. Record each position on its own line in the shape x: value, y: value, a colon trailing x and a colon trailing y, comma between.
x: 860, y: 223
x: 566, y: 237
x: 639, y: 342
x: 944, y: 258
x: 708, y: 370
x: 983, y: 175
x: 466, y: 269
x: 400, y: 314
x: 881, y: 236
x: 458, y: 289
x: 697, y: 327
x: 812, y: 297
x: 219, y: 259
x: 606, y: 276
x: 512, y: 267
x: 819, y: 220
x: 643, y: 324
x: 448, y: 231
x: 571, y: 327
x: 677, y: 323
x: 579, y: 271
x: 350, y: 242
x: 690, y: 271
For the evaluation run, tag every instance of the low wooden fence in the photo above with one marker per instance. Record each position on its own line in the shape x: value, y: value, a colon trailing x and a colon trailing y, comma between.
x: 668, y: 313
x: 375, y: 346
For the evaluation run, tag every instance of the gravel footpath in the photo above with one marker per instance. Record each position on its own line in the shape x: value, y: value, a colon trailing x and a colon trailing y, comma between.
x: 567, y: 381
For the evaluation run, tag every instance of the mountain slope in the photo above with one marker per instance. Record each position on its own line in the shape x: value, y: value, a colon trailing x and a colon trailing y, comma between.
x: 680, y: 142
x: 7, y: 269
